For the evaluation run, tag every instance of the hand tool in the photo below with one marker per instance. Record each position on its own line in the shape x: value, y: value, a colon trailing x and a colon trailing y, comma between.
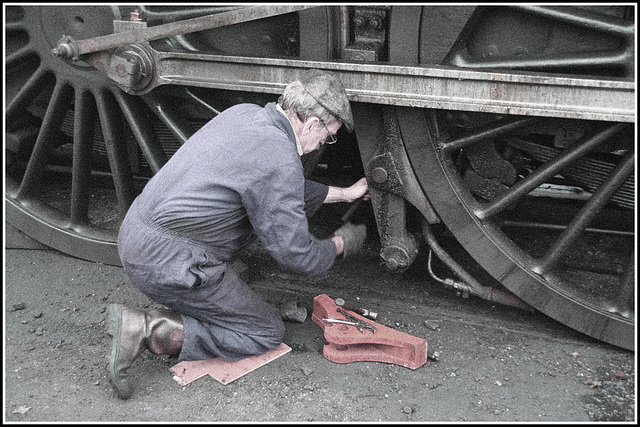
x: 358, y: 324
x: 361, y: 323
x: 361, y: 311
x: 341, y: 321
x: 352, y: 209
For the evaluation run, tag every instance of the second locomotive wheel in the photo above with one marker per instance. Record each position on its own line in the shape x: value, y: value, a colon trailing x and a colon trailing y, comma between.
x: 571, y: 259
x: 545, y: 206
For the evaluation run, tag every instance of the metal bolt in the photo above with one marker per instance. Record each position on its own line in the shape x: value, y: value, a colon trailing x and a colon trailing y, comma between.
x: 375, y: 23
x: 63, y: 50
x: 379, y: 175
x: 490, y: 50
x: 121, y: 70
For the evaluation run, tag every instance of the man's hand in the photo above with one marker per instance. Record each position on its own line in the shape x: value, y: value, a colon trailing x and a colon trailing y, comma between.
x: 350, y: 194
x: 353, y: 237
x: 358, y: 190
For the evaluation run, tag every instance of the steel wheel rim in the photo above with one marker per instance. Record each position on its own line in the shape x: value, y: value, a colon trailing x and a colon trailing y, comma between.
x: 481, y: 231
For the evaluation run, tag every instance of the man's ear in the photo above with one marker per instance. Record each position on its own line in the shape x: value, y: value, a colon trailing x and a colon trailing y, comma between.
x: 311, y: 123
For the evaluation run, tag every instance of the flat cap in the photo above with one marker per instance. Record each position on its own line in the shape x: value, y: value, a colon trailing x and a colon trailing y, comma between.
x: 326, y: 88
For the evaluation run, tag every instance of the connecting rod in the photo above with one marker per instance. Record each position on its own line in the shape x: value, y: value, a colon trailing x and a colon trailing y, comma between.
x: 72, y: 49
x: 137, y: 68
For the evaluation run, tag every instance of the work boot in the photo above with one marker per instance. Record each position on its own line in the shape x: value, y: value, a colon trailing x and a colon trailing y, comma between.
x: 133, y: 331
x: 290, y: 311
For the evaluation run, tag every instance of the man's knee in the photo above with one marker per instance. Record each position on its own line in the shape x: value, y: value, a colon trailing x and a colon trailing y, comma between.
x: 276, y: 336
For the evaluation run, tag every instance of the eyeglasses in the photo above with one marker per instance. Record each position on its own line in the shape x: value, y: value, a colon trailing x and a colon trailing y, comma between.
x: 331, y: 139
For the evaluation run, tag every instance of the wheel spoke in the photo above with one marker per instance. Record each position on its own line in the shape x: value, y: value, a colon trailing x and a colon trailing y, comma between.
x: 18, y: 56
x: 589, y: 172
x: 84, y: 119
x: 46, y: 141
x: 13, y: 27
x: 492, y: 130
x: 174, y: 122
x: 201, y: 102
x: 142, y: 131
x: 593, y: 206
x: 546, y: 171
x: 116, y: 150
x: 34, y: 85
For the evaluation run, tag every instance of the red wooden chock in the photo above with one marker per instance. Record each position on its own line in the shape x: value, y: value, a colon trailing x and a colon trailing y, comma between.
x: 346, y: 344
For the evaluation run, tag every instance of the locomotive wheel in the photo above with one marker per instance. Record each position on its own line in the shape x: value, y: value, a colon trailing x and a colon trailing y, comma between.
x: 79, y: 149
x: 582, y: 275
x: 52, y: 107
x: 481, y: 172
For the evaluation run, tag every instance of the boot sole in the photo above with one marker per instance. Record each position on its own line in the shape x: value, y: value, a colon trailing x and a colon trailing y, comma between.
x: 114, y: 324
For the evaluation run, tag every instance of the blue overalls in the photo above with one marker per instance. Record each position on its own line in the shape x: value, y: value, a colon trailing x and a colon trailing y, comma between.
x: 237, y: 179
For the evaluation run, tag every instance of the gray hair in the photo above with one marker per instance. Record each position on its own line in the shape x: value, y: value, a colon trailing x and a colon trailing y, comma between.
x: 295, y: 99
